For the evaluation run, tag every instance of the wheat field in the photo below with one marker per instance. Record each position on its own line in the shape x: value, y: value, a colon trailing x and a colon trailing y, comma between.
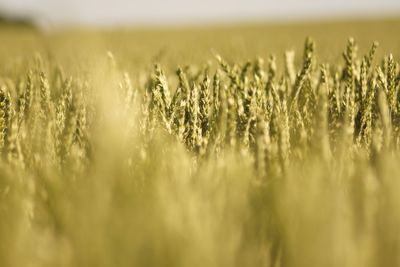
x: 239, y: 146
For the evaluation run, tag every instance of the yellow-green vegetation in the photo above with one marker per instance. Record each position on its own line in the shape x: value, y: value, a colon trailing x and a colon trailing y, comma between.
x: 116, y: 154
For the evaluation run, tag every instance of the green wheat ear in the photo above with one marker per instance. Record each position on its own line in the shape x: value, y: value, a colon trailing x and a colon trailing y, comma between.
x: 4, y: 102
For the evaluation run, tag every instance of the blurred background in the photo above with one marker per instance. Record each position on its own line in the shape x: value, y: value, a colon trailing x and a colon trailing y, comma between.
x: 176, y: 12
x: 180, y: 33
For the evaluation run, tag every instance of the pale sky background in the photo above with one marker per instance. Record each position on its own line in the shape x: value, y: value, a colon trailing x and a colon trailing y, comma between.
x: 160, y: 12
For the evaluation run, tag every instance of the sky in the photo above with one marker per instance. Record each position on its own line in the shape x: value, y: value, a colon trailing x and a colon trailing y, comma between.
x: 159, y: 12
